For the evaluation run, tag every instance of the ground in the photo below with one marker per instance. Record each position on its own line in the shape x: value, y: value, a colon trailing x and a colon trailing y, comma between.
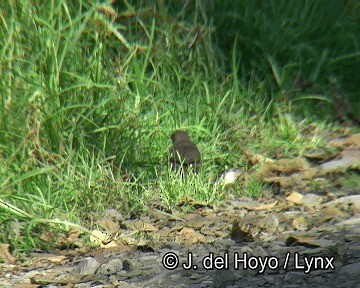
x: 306, y: 234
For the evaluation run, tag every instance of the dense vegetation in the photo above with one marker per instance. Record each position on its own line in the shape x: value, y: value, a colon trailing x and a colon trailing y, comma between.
x: 90, y: 92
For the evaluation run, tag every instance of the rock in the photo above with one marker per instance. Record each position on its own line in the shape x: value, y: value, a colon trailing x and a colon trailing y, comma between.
x: 345, y: 201
x: 295, y: 277
x: 112, y: 267
x: 308, y: 200
x: 349, y: 158
x: 331, y: 212
x: 270, y: 223
x: 352, y: 270
x: 223, y: 278
x: 353, y: 221
x: 230, y: 176
x: 301, y: 223
x: 295, y: 197
x: 87, y: 267
x: 311, y: 200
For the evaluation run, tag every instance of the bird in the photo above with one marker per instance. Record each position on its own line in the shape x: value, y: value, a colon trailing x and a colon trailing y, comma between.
x: 183, y: 153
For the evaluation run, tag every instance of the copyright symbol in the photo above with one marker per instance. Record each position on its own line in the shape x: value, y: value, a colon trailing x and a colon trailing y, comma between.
x: 170, y: 261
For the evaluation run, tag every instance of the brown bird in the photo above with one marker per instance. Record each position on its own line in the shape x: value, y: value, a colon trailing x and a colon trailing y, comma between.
x: 183, y: 153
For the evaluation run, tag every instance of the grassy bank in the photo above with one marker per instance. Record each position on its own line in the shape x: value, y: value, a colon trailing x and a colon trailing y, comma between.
x: 91, y: 92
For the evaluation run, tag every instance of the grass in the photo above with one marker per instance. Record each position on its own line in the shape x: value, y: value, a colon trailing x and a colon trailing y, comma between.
x: 277, y: 40
x: 91, y: 92
x: 352, y: 181
x: 174, y: 188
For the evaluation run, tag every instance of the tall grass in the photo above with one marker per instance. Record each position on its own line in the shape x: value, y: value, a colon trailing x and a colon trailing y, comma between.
x: 89, y: 97
x: 90, y: 93
x: 275, y: 40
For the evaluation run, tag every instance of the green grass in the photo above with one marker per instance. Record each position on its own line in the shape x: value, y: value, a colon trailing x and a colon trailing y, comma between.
x: 174, y: 188
x: 275, y: 40
x: 352, y: 181
x: 90, y: 93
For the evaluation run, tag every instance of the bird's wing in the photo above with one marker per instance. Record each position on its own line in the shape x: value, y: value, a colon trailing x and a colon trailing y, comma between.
x: 187, y: 152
